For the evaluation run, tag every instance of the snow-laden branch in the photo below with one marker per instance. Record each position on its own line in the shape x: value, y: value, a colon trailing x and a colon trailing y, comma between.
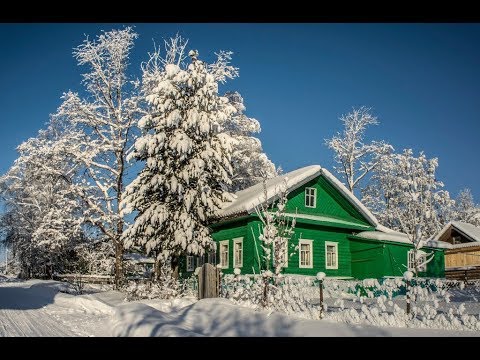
x: 355, y: 158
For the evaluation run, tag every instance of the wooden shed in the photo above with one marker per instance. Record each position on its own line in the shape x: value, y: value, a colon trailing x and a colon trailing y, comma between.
x: 464, y: 253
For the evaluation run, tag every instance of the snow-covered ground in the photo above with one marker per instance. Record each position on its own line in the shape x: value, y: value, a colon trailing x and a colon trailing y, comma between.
x: 38, y: 308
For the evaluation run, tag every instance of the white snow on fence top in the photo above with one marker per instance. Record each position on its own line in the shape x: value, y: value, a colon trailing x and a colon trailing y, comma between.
x: 470, y: 231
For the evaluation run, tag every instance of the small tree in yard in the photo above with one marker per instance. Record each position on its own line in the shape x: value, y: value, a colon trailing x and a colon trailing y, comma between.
x: 187, y: 159
x: 355, y: 158
x: 275, y: 232
x: 405, y: 195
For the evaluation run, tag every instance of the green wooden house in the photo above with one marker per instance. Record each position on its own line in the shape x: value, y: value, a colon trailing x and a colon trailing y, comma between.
x: 334, y: 232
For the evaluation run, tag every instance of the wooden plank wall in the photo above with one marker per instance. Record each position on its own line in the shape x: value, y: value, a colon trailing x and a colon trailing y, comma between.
x: 462, y: 258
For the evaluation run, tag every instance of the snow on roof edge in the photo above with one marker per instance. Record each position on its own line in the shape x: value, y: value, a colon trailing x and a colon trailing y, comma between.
x: 246, y: 202
x: 465, y: 245
x: 400, y: 238
x: 462, y: 228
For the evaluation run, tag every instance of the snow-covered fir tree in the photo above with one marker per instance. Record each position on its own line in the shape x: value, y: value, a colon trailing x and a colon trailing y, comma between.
x: 465, y: 209
x: 354, y: 157
x: 406, y: 196
x: 187, y: 160
x: 250, y: 164
x: 105, y: 122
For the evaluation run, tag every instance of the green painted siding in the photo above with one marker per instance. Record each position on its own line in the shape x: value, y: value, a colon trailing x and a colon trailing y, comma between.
x: 329, y: 202
x: 374, y: 259
x: 319, y: 235
x: 229, y: 232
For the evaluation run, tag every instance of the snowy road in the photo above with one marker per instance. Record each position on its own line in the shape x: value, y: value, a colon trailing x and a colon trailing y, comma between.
x: 34, y: 308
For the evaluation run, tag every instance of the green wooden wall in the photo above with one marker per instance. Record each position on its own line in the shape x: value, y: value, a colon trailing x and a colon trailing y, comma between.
x: 329, y: 202
x: 374, y: 259
x: 319, y: 234
x: 230, y: 231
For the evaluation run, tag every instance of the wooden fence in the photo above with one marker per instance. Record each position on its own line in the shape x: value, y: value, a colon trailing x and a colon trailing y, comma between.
x: 88, y: 279
x: 466, y: 273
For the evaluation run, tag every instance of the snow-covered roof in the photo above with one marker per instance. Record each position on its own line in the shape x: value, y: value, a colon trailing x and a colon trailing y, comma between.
x: 464, y: 245
x: 400, y: 238
x: 470, y: 231
x: 246, y: 200
x: 249, y: 198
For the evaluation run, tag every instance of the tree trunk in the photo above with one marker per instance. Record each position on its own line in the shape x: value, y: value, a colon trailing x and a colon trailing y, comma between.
x: 118, y: 265
x: 175, y: 260
x: 158, y: 269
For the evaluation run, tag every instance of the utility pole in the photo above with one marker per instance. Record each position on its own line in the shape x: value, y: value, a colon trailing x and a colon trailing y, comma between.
x: 6, y: 259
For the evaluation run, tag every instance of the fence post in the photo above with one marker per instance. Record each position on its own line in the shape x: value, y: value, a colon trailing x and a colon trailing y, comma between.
x: 320, y: 277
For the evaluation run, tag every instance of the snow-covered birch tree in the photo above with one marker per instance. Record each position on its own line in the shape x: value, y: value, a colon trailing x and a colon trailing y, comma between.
x: 43, y: 218
x: 354, y: 157
x: 249, y: 162
x: 275, y: 234
x: 104, y: 119
x: 406, y: 196
x: 187, y: 158
x: 465, y: 209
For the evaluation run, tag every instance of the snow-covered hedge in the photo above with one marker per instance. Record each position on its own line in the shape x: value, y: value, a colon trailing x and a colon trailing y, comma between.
x: 167, y: 289
x: 435, y: 303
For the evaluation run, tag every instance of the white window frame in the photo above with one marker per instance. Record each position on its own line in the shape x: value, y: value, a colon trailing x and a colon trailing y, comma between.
x: 306, y: 242
x: 222, y: 243
x: 411, y: 261
x: 235, y: 244
x: 335, y: 245
x: 190, y: 263
x: 309, y: 195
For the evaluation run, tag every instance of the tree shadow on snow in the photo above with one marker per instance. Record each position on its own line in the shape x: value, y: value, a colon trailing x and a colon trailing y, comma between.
x: 26, y: 298
x: 206, y: 319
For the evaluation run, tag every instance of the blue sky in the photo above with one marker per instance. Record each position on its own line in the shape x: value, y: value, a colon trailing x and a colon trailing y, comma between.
x: 422, y: 81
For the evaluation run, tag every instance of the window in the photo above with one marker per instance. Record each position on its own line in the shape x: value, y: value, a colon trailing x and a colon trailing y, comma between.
x: 224, y: 254
x: 310, y: 197
x: 306, y: 254
x: 331, y: 255
x: 200, y: 261
x: 190, y: 263
x: 212, y: 257
x: 238, y: 253
x: 422, y: 258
